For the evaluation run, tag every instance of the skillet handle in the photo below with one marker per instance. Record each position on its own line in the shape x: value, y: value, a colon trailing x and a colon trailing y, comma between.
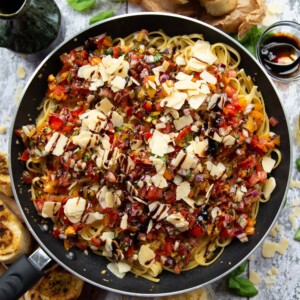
x: 22, y: 275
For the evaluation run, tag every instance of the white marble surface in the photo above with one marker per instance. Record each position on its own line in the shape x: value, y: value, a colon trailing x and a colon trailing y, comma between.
x: 287, y: 282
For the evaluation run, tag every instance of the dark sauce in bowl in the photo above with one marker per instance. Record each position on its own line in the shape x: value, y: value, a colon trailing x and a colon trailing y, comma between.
x: 280, y: 54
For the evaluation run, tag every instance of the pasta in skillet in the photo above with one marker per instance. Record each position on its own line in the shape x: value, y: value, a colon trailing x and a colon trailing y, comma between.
x: 150, y: 150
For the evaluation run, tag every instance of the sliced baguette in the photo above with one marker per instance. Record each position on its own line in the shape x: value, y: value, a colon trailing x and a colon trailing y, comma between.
x: 15, y: 239
x: 5, y: 185
x: 57, y: 284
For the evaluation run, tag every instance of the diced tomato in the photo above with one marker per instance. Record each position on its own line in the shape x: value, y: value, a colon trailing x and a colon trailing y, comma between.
x: 56, y: 232
x: 168, y: 128
x: 231, y: 73
x: 39, y: 204
x: 273, y: 121
x: 77, y: 112
x: 170, y: 197
x: 227, y: 232
x: 130, y: 251
x: 197, y: 231
x: 230, y: 109
x: 148, y: 135
x: 262, y: 176
x: 230, y: 91
x: 182, y: 134
x: 25, y: 155
x: 154, y: 193
x: 55, y: 122
x: 116, y: 51
x: 28, y: 176
x: 148, y: 106
x: 96, y: 242
x: 168, y: 248
x: 128, y: 111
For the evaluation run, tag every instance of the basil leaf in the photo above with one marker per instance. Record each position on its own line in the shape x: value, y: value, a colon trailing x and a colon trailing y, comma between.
x: 239, y: 270
x: 81, y: 5
x: 297, y: 235
x: 298, y: 164
x: 250, y: 38
x: 101, y: 16
x: 242, y: 286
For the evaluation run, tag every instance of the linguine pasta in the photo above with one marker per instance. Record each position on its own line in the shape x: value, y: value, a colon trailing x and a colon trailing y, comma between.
x: 150, y: 150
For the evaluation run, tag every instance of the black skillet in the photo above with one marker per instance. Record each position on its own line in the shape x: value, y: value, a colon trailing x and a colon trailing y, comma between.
x: 89, y: 267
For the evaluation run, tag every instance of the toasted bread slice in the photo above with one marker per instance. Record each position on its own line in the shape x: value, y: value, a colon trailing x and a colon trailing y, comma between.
x: 57, y: 284
x: 12, y: 205
x: 15, y: 239
x: 5, y: 185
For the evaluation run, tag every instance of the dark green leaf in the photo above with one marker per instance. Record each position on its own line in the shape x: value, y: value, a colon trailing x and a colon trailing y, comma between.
x: 298, y: 164
x: 81, y: 5
x: 250, y: 38
x: 239, y: 270
x: 297, y: 235
x: 242, y: 286
x: 101, y: 16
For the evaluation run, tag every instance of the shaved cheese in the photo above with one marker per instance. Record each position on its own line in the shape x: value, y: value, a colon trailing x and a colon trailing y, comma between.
x: 74, y: 209
x: 87, y: 71
x: 92, y: 217
x: 116, y: 119
x: 275, y: 8
x: 202, y: 51
x: 105, y: 106
x: 268, y: 164
x: 270, y: 248
x: 190, y: 162
x: 198, y: 147
x: 118, y: 84
x: 174, y: 100
x: 159, y: 181
x: 254, y: 277
x: 183, y: 190
x: 217, y: 170
x: 229, y: 140
x: 86, y: 139
x: 119, y: 269
x: 50, y: 209
x: 178, y: 221
x: 180, y: 60
x: 57, y: 144
x: 196, y: 100
x: 146, y: 256
x: 183, y: 122
x: 269, y: 187
x: 123, y: 223
x: 209, y: 78
x: 93, y: 120
x: 158, y: 143
x: 185, y: 85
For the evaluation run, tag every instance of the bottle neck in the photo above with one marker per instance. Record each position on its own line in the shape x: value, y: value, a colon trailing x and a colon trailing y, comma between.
x: 12, y: 9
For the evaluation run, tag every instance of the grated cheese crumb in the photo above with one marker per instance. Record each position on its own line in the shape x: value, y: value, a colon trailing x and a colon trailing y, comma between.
x: 21, y: 73
x: 254, y: 277
x: 295, y: 184
x: 2, y: 129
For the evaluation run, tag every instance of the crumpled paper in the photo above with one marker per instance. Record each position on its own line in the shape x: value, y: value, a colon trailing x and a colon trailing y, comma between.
x: 246, y: 14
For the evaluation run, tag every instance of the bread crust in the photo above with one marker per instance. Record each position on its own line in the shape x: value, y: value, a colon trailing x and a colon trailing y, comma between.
x: 5, y: 185
x: 15, y: 239
x: 219, y: 8
x: 57, y: 284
